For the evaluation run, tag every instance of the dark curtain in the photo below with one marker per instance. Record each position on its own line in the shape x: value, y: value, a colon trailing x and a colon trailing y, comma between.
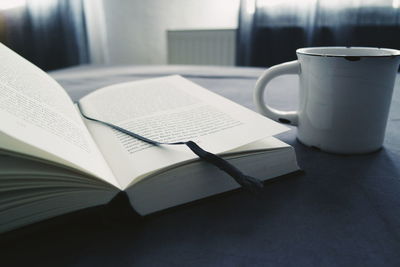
x: 270, y: 31
x: 50, y: 33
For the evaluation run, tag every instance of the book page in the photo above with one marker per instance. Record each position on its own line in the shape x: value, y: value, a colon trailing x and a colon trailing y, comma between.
x: 39, y: 119
x: 167, y: 109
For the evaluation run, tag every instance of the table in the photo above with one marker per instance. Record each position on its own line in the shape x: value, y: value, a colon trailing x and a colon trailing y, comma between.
x: 342, y: 211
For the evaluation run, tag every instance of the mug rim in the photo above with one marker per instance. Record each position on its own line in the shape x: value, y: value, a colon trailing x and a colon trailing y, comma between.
x: 311, y: 51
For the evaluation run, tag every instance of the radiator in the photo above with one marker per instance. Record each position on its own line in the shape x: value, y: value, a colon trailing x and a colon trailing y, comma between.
x: 202, y: 47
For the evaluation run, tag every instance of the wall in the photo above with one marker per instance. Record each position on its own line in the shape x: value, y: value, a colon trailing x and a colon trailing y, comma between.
x: 134, y: 31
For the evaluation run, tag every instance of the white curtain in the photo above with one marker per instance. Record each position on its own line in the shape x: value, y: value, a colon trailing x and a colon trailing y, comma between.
x: 337, y: 15
x: 50, y: 33
x: 284, y: 25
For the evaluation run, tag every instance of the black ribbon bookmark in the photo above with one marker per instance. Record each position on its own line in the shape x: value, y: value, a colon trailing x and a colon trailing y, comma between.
x: 247, y: 182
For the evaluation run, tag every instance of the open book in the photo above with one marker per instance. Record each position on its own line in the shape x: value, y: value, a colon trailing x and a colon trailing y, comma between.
x: 53, y: 161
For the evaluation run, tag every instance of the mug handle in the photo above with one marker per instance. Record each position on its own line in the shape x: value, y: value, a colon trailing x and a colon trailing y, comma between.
x: 290, y: 117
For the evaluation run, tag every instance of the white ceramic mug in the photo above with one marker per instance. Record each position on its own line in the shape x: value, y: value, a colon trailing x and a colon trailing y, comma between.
x: 344, y: 97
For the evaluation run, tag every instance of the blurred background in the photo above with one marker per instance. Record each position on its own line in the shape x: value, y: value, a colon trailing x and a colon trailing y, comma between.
x: 55, y: 34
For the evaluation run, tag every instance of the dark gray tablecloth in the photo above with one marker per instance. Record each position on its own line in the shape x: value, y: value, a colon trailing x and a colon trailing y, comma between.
x: 342, y: 211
